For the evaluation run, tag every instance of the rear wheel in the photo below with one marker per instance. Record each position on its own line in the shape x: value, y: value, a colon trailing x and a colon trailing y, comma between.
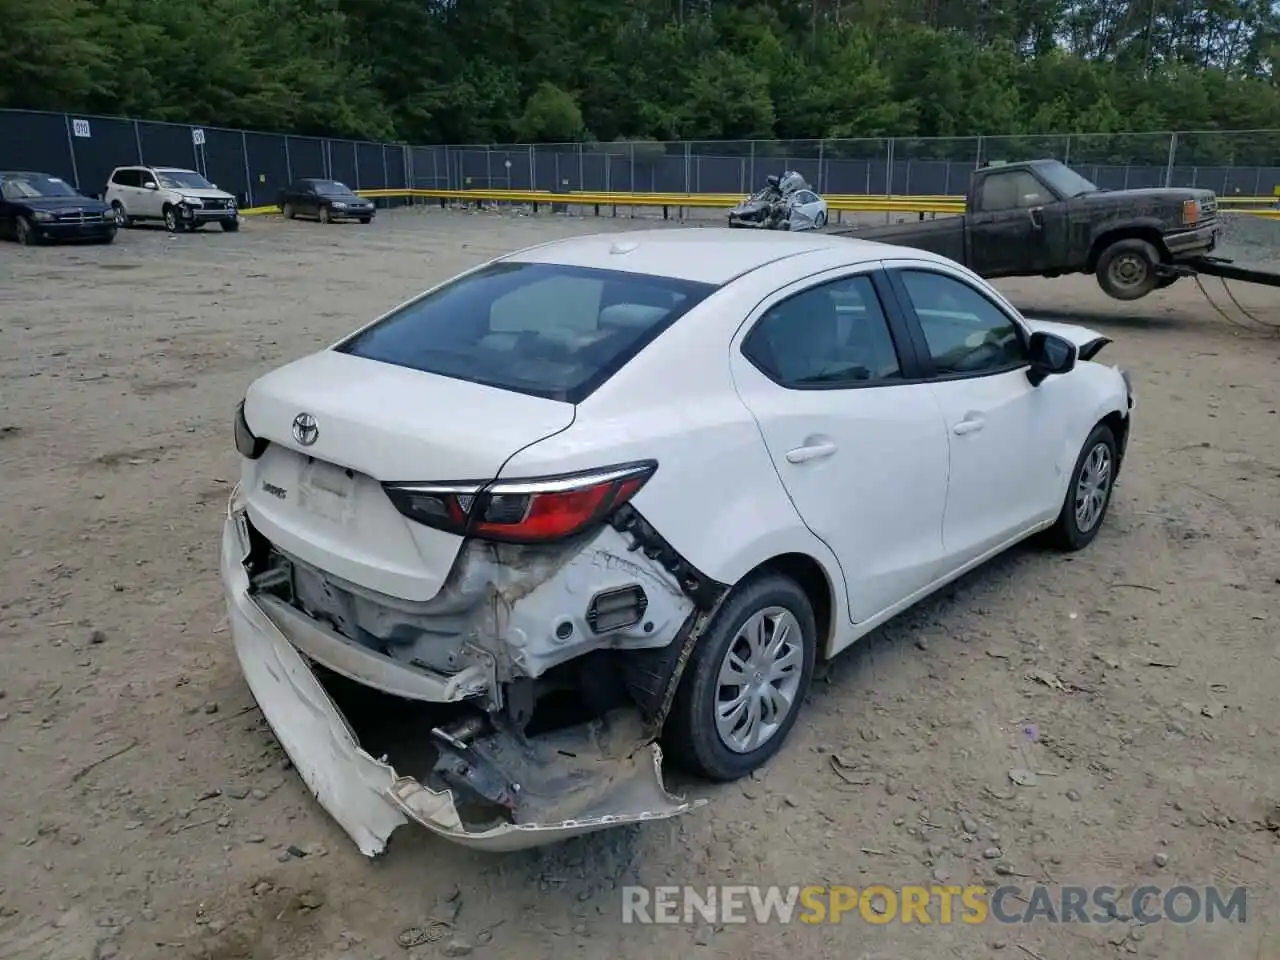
x: 1127, y: 269
x: 1089, y: 492
x: 744, y: 685
x: 24, y: 233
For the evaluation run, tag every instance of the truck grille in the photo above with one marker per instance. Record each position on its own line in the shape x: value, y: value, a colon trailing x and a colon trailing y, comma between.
x: 78, y: 216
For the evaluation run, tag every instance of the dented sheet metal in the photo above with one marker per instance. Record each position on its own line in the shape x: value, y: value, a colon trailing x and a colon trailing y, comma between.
x: 574, y: 781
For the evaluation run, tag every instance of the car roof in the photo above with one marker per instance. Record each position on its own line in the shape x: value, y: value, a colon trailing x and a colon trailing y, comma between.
x: 172, y: 169
x: 26, y: 173
x: 714, y: 255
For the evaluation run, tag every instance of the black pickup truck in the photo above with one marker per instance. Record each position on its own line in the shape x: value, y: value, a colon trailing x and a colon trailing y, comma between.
x: 1041, y: 218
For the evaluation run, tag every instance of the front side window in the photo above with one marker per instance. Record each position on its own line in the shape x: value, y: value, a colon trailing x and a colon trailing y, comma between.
x: 831, y: 335
x: 547, y: 330
x: 966, y: 333
x: 1014, y: 190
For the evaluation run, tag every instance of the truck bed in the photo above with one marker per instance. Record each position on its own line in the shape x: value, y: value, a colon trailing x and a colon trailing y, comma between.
x: 945, y: 236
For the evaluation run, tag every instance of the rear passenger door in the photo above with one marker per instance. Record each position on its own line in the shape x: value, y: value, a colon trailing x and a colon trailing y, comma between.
x: 829, y: 375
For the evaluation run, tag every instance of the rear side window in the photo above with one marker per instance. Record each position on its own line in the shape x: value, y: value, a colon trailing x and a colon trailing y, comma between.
x: 833, y: 335
x: 127, y: 178
x: 543, y: 329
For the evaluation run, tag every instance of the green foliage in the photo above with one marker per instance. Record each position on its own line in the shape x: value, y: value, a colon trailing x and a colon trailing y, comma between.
x: 600, y: 71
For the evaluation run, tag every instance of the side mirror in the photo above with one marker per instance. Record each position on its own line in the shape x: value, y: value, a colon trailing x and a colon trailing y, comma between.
x: 1049, y: 354
x: 151, y: 185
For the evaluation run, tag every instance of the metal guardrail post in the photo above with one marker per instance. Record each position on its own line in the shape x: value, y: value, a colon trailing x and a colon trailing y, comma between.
x: 137, y: 139
x: 1173, y: 152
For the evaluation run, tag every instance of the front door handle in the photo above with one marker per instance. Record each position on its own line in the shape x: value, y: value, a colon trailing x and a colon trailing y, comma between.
x: 1036, y: 214
x: 811, y: 451
x: 970, y: 424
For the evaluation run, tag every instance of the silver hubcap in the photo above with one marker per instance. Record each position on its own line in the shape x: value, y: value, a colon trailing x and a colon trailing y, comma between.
x: 759, y: 679
x: 1092, y: 487
x: 171, y: 220
x: 1129, y: 270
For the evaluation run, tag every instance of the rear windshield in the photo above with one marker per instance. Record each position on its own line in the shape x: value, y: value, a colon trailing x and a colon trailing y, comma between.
x: 543, y: 329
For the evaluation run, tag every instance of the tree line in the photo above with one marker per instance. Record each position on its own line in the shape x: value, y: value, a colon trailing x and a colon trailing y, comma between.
x: 500, y: 71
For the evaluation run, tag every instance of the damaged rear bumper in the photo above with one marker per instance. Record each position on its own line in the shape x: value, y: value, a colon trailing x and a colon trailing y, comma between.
x: 574, y: 781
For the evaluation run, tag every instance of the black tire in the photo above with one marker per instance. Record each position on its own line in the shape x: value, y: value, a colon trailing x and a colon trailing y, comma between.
x: 820, y: 221
x: 288, y: 211
x: 122, y: 218
x: 325, y: 214
x: 1067, y: 533
x: 231, y: 226
x: 691, y: 736
x: 1127, y: 269
x: 366, y: 219
x: 172, y: 221
x: 108, y: 237
x: 25, y: 233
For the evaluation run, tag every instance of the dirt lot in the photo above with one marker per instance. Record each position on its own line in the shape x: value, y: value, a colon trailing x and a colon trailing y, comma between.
x: 146, y: 811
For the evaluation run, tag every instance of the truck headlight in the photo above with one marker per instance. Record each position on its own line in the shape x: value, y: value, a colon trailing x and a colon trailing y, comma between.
x: 41, y: 215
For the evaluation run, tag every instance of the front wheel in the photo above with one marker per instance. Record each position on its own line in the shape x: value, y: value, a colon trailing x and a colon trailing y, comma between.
x: 108, y: 237
x: 288, y: 211
x: 744, y: 685
x: 326, y: 216
x: 1127, y: 269
x: 172, y: 222
x: 231, y: 226
x: 25, y: 233
x: 122, y: 218
x: 1089, y: 492
x: 820, y: 220
x: 366, y: 219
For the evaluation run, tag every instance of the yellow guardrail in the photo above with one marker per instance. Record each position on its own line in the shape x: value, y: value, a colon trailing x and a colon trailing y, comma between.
x: 847, y: 203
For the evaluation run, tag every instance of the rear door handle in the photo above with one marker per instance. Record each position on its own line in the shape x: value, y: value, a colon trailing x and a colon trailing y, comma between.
x: 813, y: 451
x: 970, y: 424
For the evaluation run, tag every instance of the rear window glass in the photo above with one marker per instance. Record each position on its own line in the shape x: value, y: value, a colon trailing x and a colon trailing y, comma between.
x: 543, y: 329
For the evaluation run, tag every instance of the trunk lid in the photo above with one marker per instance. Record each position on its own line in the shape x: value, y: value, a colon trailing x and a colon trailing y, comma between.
x: 370, y: 422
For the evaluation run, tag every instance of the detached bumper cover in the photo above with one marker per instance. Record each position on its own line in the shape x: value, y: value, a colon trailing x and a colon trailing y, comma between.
x: 578, y: 781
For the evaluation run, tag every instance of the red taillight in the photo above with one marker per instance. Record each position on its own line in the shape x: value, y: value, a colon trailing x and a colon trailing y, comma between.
x: 522, y: 511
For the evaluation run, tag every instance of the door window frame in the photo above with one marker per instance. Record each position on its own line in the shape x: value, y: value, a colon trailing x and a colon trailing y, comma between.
x: 893, y: 271
x: 912, y: 370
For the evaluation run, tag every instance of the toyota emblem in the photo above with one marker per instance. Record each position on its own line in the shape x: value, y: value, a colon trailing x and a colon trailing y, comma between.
x: 305, y: 430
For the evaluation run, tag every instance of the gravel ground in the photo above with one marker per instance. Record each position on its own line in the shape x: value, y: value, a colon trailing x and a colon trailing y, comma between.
x: 147, y: 812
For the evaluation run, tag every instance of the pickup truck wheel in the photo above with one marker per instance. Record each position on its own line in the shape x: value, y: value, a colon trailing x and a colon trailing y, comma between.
x: 1127, y: 269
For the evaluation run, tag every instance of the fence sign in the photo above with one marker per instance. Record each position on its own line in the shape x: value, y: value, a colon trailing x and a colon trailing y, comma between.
x: 197, y: 136
x: 80, y: 128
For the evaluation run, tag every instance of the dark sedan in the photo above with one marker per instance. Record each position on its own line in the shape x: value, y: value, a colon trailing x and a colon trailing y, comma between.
x: 36, y: 207
x: 326, y: 200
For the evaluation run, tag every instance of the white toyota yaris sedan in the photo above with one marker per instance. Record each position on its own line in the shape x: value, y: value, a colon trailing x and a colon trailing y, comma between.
x: 487, y: 552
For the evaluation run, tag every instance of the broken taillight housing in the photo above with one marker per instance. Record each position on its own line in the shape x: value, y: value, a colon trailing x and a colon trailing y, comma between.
x: 534, y: 510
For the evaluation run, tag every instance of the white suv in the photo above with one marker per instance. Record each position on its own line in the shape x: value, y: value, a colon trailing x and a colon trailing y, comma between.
x: 183, y: 199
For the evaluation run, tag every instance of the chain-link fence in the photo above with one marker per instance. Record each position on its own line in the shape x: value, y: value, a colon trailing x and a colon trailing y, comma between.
x: 255, y: 166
